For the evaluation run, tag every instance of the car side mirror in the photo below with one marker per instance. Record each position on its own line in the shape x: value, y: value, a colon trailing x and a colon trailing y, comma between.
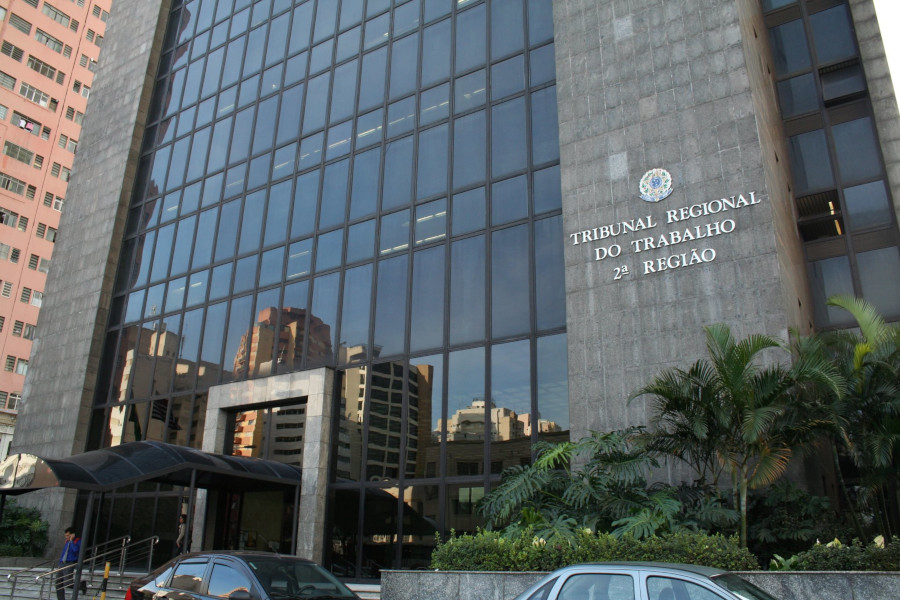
x: 240, y: 595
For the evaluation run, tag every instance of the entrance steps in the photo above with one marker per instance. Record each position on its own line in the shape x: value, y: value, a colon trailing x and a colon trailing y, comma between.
x: 28, y: 589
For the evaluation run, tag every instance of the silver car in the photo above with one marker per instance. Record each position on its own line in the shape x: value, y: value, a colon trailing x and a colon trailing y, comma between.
x: 642, y: 581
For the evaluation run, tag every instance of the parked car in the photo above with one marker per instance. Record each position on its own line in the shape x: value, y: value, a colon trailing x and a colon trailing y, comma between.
x: 642, y: 581
x: 238, y: 576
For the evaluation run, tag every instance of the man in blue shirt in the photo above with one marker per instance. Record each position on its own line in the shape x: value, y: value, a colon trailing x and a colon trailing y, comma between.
x: 65, y: 577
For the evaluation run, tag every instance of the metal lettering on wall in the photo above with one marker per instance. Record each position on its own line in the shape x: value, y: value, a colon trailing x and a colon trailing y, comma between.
x: 677, y: 230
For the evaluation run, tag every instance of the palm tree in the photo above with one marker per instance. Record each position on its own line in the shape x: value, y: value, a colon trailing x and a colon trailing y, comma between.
x: 733, y: 412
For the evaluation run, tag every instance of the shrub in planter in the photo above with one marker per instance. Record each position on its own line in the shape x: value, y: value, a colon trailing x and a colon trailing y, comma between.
x: 22, y: 531
x: 855, y: 556
x: 491, y: 551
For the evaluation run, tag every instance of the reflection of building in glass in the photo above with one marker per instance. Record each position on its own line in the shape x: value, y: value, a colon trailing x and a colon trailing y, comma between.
x: 254, y: 356
x: 468, y: 423
x: 275, y: 433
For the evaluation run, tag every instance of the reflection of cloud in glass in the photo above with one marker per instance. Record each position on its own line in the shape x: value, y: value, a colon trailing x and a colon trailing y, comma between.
x: 465, y: 378
x: 510, y: 376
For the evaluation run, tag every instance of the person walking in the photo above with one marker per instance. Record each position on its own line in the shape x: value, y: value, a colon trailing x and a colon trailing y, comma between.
x: 68, y: 559
x: 182, y: 532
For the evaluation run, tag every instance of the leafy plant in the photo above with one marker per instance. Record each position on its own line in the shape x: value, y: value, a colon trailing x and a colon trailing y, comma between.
x: 22, y: 532
x: 855, y: 556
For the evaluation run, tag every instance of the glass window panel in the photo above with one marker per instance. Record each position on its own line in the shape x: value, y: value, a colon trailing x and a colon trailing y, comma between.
x: 404, y: 63
x: 240, y: 139
x: 509, y: 149
x: 437, y: 8
x: 299, y: 259
x: 190, y: 339
x: 810, y: 164
x: 169, y: 209
x: 160, y: 168
x: 469, y: 212
x: 833, y: 34
x: 828, y: 278
x: 314, y: 113
x: 265, y: 125
x: 469, y: 91
x: 339, y: 140
x: 510, y: 304
x: 540, y: 21
x: 878, y: 278
x: 508, y: 77
x: 797, y: 95
x: 549, y: 280
x: 278, y: 30
x: 334, y: 194
x: 181, y: 253
x: 620, y: 587
x: 213, y: 334
x: 292, y: 328
x: 394, y: 232
x: 364, y: 192
x: 507, y: 27
x: 142, y: 260
x: 285, y: 161
x: 390, y: 306
x: 295, y: 69
x: 197, y: 288
x: 226, y: 236
x: 190, y: 199
x: 197, y: 161
x: 373, y: 7
x: 211, y: 72
x: 552, y: 387
x: 244, y: 274
x: 234, y: 180
x: 432, y: 167
x: 300, y: 27
x: 773, y: 4
x: 406, y: 18
x: 351, y: 12
x: 789, y: 47
x: 238, y: 325
x: 431, y: 221
x: 323, y: 319
x: 361, y: 241
x: 471, y: 34
x: 843, y: 82
x: 239, y: 21
x: 234, y: 55
x: 218, y: 149
x: 256, y: 45
x: 427, y: 316
x: 204, y: 242
x: 435, y: 58
x: 369, y: 129
x: 867, y: 206
x: 469, y: 149
x: 434, y: 104
x: 162, y: 253
x: 134, y: 305
x: 175, y: 294
x: 856, y: 149
x: 542, y: 64
x: 154, y: 302
x: 179, y: 161
x: 547, y: 190
x: 251, y: 222
x: 401, y: 116
x: 355, y: 314
x: 347, y: 44
x: 376, y: 31
x: 510, y: 405
x: 544, y: 126
x: 259, y: 171
x: 277, y: 213
x: 310, y: 151
x: 465, y: 409
x: 261, y: 11
x: 220, y: 282
x: 467, y: 290
x: 372, y: 79
x: 398, y: 162
x: 306, y: 193
x: 509, y: 200
x: 270, y: 267
x: 343, y: 94
x: 426, y: 381
x: 185, y: 121
x: 326, y: 19
x: 328, y: 250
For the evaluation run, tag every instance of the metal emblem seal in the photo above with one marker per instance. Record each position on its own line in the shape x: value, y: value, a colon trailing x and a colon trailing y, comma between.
x: 656, y: 185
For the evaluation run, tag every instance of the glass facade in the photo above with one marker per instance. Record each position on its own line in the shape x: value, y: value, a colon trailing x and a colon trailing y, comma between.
x: 367, y: 186
x: 844, y: 206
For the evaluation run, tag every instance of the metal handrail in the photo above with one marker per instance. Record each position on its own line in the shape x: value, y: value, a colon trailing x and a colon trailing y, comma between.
x: 101, y: 553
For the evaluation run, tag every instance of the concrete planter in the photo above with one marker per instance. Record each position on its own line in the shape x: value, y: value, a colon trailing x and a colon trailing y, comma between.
x: 784, y: 585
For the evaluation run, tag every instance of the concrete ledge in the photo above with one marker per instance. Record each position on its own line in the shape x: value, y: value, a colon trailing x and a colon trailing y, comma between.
x: 784, y: 585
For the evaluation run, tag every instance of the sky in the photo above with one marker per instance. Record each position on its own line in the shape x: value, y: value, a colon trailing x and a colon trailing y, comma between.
x: 888, y: 12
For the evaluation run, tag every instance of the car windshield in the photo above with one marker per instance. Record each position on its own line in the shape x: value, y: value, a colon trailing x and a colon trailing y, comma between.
x: 741, y: 587
x: 285, y: 578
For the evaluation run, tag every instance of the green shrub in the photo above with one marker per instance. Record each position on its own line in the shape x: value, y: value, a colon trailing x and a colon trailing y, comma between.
x: 22, y: 532
x: 490, y: 551
x: 849, y: 557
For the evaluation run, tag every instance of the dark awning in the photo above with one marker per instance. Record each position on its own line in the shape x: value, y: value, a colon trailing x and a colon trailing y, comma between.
x: 111, y: 468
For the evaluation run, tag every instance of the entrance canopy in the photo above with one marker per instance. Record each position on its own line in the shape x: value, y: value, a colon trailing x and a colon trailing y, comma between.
x: 111, y: 468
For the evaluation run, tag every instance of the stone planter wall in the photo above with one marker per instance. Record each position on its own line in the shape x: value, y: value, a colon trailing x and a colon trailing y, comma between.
x: 479, y: 585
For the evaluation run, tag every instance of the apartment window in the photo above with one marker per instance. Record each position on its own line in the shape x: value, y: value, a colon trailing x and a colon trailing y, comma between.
x: 67, y: 51
x: 34, y: 3
x: 21, y: 367
x: 25, y: 296
x: 74, y: 25
x: 13, y: 402
x: 38, y: 161
x: 8, y: 217
x: 18, y: 326
x: 83, y: 61
x: 48, y: 199
x: 63, y: 140
x: 90, y: 35
x: 3, y: 111
x: 18, y: 153
x: 55, y: 14
x: 60, y: 78
x: 33, y: 261
x: 37, y: 96
x: 2, y: 322
x: 85, y: 91
x: 4, y: 251
x: 7, y: 81
x: 2, y: 13
x: 54, y: 170
x: 74, y: 115
x: 14, y: 255
x: 41, y: 230
x: 3, y: 399
x: 23, y: 224
x: 28, y: 332
x: 48, y: 40
x: 72, y: 145
x: 44, y: 265
x: 41, y: 67
x: 14, y: 52
x: 100, y: 13
x: 51, y: 231
x: 6, y: 291
x: 58, y: 204
x: 99, y: 41
x: 9, y: 183
x: 20, y: 23
x: 30, y: 191
x: 37, y: 299
x: 10, y: 364
x: 76, y: 86
x: 45, y: 133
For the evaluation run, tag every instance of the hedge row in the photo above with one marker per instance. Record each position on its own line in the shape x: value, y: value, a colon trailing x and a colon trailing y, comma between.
x: 849, y: 557
x: 489, y: 551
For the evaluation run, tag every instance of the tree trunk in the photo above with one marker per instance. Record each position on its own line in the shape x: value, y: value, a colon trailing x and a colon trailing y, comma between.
x: 843, y: 484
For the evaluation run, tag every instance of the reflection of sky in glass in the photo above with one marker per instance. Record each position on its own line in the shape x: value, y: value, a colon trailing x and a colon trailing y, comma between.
x: 510, y: 376
x: 465, y: 380
x: 552, y: 380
